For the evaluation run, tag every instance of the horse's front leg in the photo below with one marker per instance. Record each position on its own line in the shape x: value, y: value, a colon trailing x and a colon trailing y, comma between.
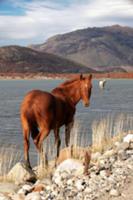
x: 57, y: 141
x: 68, y: 128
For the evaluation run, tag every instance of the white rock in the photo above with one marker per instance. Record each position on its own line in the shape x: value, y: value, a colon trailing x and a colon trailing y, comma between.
x: 21, y: 191
x: 33, y: 196
x: 27, y: 187
x: 88, y: 190
x: 20, y: 174
x: 128, y: 138
x: 103, y: 174
x: 3, y: 197
x: 114, y: 192
x: 95, y: 156
x: 69, y: 165
x: 58, y: 180
x: 70, y: 182
x: 109, y: 153
x: 117, y: 144
x: 79, y: 185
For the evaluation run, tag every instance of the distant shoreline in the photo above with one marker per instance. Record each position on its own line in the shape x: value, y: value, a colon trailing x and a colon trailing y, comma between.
x: 45, y: 76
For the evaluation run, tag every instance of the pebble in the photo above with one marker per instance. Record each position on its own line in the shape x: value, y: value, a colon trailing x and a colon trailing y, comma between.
x: 114, y: 192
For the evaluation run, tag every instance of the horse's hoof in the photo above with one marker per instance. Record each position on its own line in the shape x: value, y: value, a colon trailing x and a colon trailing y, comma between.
x: 27, y: 165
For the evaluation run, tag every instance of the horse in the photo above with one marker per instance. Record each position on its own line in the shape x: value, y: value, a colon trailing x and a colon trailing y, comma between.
x: 43, y: 111
x: 102, y: 83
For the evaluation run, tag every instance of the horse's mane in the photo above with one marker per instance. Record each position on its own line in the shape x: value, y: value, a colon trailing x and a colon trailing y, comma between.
x: 68, y: 82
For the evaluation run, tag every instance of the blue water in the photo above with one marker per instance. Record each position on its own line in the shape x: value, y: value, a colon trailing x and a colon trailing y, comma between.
x: 116, y: 98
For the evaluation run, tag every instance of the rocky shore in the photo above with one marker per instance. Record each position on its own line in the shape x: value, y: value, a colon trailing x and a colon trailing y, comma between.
x: 43, y: 76
x: 108, y: 175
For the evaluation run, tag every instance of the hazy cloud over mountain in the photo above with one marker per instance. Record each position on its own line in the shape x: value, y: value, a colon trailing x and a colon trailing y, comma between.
x: 33, y: 21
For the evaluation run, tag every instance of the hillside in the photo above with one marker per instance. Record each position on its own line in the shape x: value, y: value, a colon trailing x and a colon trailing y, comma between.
x: 18, y: 59
x: 103, y: 49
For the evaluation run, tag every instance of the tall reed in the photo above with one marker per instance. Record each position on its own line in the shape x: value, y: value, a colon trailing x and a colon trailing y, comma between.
x: 111, y: 128
x: 9, y: 156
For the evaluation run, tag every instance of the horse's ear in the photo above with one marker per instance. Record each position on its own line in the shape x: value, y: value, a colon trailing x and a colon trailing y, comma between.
x: 90, y: 76
x: 81, y: 76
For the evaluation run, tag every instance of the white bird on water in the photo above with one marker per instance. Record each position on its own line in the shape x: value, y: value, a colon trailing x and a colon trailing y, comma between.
x: 102, y: 83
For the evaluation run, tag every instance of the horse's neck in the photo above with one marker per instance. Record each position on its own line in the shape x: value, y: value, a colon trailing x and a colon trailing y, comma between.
x: 71, y: 93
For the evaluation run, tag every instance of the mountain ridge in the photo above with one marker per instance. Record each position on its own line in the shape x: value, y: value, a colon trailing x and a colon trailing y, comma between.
x: 108, y: 48
x: 18, y: 59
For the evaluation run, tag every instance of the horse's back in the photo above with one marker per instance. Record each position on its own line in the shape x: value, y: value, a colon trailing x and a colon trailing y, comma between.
x: 37, y: 105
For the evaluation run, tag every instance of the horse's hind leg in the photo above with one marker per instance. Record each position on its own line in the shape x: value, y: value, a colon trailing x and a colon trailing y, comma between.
x: 44, y: 132
x: 57, y: 141
x: 26, y: 134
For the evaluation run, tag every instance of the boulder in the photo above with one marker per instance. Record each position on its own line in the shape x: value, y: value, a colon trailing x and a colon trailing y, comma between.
x: 123, y: 146
x: 128, y: 138
x: 69, y: 165
x: 8, y: 188
x: 21, y: 174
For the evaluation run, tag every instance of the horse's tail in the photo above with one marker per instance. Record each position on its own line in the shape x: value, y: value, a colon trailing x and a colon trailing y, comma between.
x: 25, y: 126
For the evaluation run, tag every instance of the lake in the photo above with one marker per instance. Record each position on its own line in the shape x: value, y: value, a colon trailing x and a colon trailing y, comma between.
x: 115, y: 99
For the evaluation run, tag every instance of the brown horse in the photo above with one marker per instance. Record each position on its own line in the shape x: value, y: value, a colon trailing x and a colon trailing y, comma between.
x: 43, y: 111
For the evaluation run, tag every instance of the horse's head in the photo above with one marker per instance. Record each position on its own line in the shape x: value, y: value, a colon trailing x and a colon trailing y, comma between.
x: 86, y: 86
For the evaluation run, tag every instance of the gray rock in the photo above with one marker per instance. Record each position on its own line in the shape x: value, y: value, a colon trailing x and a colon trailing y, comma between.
x: 131, y: 145
x: 122, y: 155
x: 20, y: 174
x: 123, y: 146
x: 8, y: 188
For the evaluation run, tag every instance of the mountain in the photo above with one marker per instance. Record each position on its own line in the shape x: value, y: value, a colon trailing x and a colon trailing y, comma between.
x: 21, y: 59
x: 103, y: 49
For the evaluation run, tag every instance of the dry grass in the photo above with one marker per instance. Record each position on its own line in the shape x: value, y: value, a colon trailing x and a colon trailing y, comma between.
x: 104, y: 133
x: 109, y: 130
x: 9, y: 156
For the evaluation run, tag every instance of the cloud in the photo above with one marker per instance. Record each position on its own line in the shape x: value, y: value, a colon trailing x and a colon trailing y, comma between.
x: 43, y: 19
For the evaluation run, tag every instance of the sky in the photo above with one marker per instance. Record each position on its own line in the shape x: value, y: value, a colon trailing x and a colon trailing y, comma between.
x: 25, y: 22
